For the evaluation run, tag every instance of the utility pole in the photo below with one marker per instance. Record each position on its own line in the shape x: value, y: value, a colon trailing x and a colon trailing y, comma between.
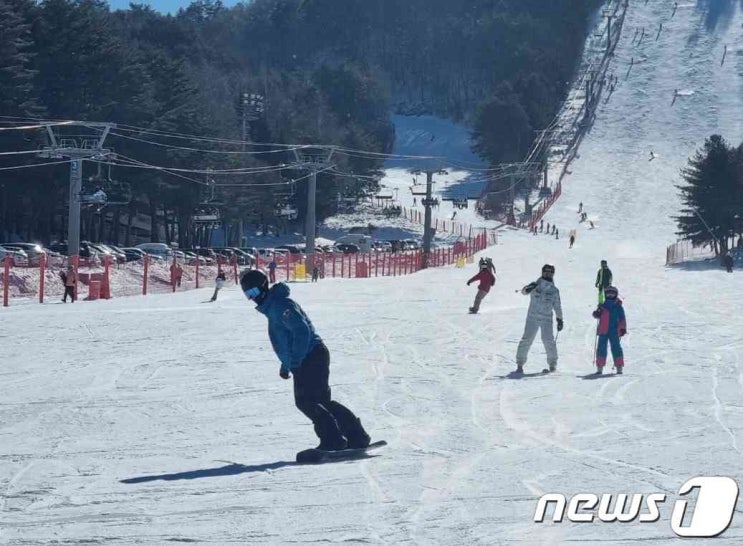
x: 428, y: 203
x: 252, y: 108
x: 314, y: 160
x: 77, y: 149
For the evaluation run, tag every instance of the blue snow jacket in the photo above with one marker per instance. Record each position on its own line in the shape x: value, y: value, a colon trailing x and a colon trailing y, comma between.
x: 292, y: 335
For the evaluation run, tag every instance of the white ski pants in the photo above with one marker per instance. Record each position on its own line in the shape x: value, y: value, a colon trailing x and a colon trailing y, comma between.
x: 530, y: 332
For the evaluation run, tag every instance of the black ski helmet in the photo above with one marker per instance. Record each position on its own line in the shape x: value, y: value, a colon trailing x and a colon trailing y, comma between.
x: 254, y: 278
x: 610, y: 292
x: 548, y: 268
x: 603, y: 262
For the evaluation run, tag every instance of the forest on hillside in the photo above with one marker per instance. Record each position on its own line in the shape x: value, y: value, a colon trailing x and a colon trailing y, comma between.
x: 326, y: 71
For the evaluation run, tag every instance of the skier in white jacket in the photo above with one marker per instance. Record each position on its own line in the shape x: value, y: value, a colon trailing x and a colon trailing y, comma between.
x: 545, y: 297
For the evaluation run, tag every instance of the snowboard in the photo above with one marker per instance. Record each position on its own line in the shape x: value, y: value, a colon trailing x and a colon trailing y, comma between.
x: 320, y: 456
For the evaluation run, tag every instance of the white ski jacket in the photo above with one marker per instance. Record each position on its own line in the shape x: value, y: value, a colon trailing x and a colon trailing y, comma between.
x: 545, y: 297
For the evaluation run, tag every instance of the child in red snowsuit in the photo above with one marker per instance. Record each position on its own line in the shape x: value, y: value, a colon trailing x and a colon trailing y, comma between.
x: 612, y: 326
x: 487, y: 280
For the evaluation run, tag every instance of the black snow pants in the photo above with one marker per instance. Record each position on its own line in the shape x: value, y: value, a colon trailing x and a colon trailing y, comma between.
x: 69, y: 291
x: 332, y: 420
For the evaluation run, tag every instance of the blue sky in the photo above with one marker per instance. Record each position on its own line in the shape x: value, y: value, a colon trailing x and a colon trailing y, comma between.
x: 164, y: 6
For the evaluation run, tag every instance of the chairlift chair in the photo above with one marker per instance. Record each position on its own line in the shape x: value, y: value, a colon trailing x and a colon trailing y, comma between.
x: 103, y: 192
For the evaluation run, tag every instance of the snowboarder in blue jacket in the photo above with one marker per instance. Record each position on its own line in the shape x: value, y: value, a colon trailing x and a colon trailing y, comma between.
x: 304, y: 355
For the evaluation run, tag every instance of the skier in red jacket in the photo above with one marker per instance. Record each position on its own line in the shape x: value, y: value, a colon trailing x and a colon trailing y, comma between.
x: 486, y: 277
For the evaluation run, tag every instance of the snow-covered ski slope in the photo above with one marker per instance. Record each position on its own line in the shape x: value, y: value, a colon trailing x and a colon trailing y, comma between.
x: 161, y: 420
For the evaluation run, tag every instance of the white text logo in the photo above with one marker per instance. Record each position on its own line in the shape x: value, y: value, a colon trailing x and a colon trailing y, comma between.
x: 711, y: 515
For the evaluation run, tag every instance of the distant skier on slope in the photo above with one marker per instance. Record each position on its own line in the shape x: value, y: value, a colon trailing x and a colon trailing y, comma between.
x: 545, y: 297
x: 487, y: 280
x: 572, y: 236
x: 218, y: 284
x: 729, y: 261
x: 603, y: 279
x: 612, y: 326
x: 303, y: 354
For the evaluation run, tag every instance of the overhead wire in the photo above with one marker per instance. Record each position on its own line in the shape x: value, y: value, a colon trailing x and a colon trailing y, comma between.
x: 16, y: 167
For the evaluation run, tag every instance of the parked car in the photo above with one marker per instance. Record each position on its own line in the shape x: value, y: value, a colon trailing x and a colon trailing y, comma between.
x: 86, y: 250
x: 120, y: 254
x: 207, y: 253
x: 192, y: 258
x: 253, y: 251
x: 33, y: 251
x: 160, y: 250
x: 18, y: 257
x: 292, y: 249
x: 363, y: 242
x: 116, y: 255
x: 265, y: 252
x: 134, y: 254
x: 347, y: 248
x: 99, y: 251
x: 383, y: 246
x: 411, y: 244
x: 243, y: 257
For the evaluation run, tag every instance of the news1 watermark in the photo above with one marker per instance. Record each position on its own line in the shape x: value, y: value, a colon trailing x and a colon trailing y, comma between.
x: 710, y: 516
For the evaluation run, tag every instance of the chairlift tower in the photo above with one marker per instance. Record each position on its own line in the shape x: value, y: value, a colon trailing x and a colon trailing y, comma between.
x: 428, y: 203
x: 78, y: 149
x: 313, y: 159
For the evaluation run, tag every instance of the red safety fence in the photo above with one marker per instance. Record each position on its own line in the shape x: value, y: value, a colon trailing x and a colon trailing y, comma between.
x: 539, y: 212
x: 292, y: 267
x: 103, y: 280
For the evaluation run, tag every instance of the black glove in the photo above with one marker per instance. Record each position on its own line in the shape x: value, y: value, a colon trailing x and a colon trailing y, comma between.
x: 529, y: 287
x: 283, y: 374
x: 559, y: 325
x: 468, y: 283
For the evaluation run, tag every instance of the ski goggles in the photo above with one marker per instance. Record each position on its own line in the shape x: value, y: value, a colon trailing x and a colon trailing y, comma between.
x: 253, y: 293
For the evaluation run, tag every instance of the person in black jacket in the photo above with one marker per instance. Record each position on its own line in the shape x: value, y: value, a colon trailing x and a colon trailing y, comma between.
x: 603, y: 280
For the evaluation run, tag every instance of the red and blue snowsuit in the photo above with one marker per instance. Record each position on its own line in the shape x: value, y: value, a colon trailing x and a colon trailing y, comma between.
x: 612, y: 326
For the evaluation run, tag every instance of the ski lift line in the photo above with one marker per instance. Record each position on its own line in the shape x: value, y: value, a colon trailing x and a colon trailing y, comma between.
x: 196, y: 138
x: 134, y: 164
x: 236, y: 184
x: 23, y: 152
x: 33, y: 165
x: 441, y: 159
x: 285, y: 147
x: 30, y: 127
x: 135, y: 129
x: 236, y: 171
x: 365, y: 154
x: 229, y: 152
x: 126, y: 163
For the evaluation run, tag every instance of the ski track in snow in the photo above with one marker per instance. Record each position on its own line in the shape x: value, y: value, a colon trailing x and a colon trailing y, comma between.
x: 184, y: 402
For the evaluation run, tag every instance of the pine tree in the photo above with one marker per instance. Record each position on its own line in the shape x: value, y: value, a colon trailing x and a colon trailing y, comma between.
x: 711, y: 195
x: 17, y: 96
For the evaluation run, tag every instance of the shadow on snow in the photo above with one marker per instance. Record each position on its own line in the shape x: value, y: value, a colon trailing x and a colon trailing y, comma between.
x: 229, y: 470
